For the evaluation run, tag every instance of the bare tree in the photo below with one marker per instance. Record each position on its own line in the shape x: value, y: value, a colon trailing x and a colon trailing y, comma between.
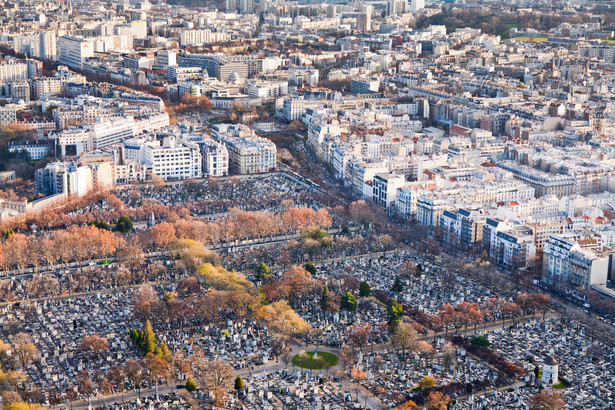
x: 216, y: 373
x: 134, y: 372
x: 405, y: 338
x: 94, y: 344
x: 286, y: 359
x: 157, y: 367
x: 215, y: 376
x: 347, y: 357
x: 24, y: 349
x: 547, y: 400
x: 279, y: 345
x: 449, y: 355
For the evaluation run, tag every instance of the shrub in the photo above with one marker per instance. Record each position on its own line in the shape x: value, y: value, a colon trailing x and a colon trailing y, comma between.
x: 190, y: 385
x: 479, y: 341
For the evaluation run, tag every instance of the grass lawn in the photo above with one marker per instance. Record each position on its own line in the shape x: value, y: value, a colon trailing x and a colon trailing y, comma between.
x: 324, y: 360
x: 535, y: 39
x: 563, y: 384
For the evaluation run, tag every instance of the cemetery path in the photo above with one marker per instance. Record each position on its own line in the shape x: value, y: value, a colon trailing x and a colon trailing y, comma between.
x: 128, y: 396
x: 516, y: 384
x: 365, y: 396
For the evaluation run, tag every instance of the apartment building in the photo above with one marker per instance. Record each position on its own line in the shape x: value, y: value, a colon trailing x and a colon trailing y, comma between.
x: 36, y: 149
x: 173, y: 158
x: 8, y: 114
x: 166, y: 59
x: 248, y: 154
x: 73, y: 51
x: 406, y: 201
x: 48, y: 46
x: 385, y: 188
x: 105, y: 132
x: 464, y: 227
x: 364, y: 85
x: 266, y: 90
x: 12, y: 71
x: 143, y: 100
x: 202, y: 36
x: 62, y: 178
x: 567, y: 265
x: 429, y: 210
x: 544, y: 183
x: 215, y: 158
x: 221, y: 66
x: 514, y: 249
x: 293, y: 108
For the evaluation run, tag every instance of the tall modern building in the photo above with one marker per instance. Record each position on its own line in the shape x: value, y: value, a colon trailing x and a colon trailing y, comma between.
x: 13, y: 71
x: 47, y: 44
x: 416, y: 5
x: 364, y: 18
x: 27, y: 43
x: 246, y: 6
x: 73, y: 51
x: 61, y: 178
x: 166, y: 58
x: 397, y: 7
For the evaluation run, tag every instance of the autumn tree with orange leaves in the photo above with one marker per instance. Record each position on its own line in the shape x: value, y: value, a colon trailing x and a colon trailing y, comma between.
x: 547, y: 400
x: 437, y: 401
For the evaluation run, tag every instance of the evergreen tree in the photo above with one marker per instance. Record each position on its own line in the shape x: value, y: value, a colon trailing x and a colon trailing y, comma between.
x: 364, y: 289
x: 419, y: 269
x: 310, y: 268
x: 158, y: 351
x: 124, y: 224
x: 147, y: 327
x: 480, y: 341
x: 134, y: 333
x: 394, y: 313
x: 262, y: 270
x: 148, y: 342
x: 348, y: 302
x: 397, y: 285
x: 190, y: 384
x: 325, y: 299
x: 100, y: 224
x: 164, y: 348
x: 238, y: 384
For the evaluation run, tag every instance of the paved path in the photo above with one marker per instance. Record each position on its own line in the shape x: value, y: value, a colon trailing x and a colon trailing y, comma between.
x: 364, y: 396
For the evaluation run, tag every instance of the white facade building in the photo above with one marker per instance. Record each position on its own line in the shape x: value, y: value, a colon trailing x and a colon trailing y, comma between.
x: 173, y: 159
x: 73, y: 51
x: 13, y: 71
x: 61, y: 178
x: 215, y: 158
